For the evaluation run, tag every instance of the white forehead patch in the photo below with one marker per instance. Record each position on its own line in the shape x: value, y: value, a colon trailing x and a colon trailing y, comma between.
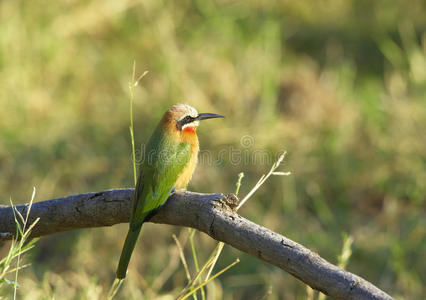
x: 186, y: 110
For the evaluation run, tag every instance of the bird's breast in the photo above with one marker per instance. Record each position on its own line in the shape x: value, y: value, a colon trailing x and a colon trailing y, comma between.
x: 186, y: 174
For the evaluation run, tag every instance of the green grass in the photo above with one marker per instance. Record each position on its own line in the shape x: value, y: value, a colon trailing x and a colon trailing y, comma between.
x: 340, y: 85
x: 20, y: 245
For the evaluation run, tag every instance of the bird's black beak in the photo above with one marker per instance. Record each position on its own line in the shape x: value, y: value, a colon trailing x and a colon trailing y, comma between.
x: 206, y: 116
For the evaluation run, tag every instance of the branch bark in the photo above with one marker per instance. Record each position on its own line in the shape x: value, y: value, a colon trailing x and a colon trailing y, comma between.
x: 211, y: 213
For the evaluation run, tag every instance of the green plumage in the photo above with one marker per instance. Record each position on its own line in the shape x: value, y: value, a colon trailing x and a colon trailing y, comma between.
x: 163, y: 162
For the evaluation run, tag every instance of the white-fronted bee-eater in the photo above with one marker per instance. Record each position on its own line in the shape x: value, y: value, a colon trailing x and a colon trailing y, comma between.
x: 171, y: 158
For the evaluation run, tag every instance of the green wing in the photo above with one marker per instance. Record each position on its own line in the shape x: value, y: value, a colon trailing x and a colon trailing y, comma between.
x: 164, y: 162
x: 158, y: 176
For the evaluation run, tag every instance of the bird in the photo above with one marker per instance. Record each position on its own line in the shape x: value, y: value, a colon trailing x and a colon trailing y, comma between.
x: 171, y: 158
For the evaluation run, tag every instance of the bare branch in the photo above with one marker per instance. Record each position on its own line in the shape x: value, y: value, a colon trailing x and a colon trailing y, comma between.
x: 210, y: 213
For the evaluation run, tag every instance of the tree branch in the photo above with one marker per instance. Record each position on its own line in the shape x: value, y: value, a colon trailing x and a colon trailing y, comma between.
x: 210, y: 213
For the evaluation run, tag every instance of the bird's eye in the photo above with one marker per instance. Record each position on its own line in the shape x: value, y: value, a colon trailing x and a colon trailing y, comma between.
x: 183, y: 121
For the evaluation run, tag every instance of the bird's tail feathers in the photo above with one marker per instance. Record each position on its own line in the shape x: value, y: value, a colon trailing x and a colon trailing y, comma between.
x: 129, y: 245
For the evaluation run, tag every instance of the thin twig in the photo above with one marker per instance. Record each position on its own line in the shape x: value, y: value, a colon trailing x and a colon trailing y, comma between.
x: 263, y: 178
x: 210, y: 279
x: 182, y: 258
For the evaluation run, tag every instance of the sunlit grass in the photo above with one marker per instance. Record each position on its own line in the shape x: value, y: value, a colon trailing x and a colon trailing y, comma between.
x: 132, y: 84
x: 20, y: 245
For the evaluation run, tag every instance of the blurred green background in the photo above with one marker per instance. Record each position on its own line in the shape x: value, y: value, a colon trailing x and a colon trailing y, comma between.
x: 339, y: 84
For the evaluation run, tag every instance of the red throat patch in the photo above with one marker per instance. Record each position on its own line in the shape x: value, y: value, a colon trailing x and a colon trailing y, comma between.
x: 191, y: 129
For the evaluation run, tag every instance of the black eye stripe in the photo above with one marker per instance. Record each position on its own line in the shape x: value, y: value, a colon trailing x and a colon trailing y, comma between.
x: 185, y: 120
